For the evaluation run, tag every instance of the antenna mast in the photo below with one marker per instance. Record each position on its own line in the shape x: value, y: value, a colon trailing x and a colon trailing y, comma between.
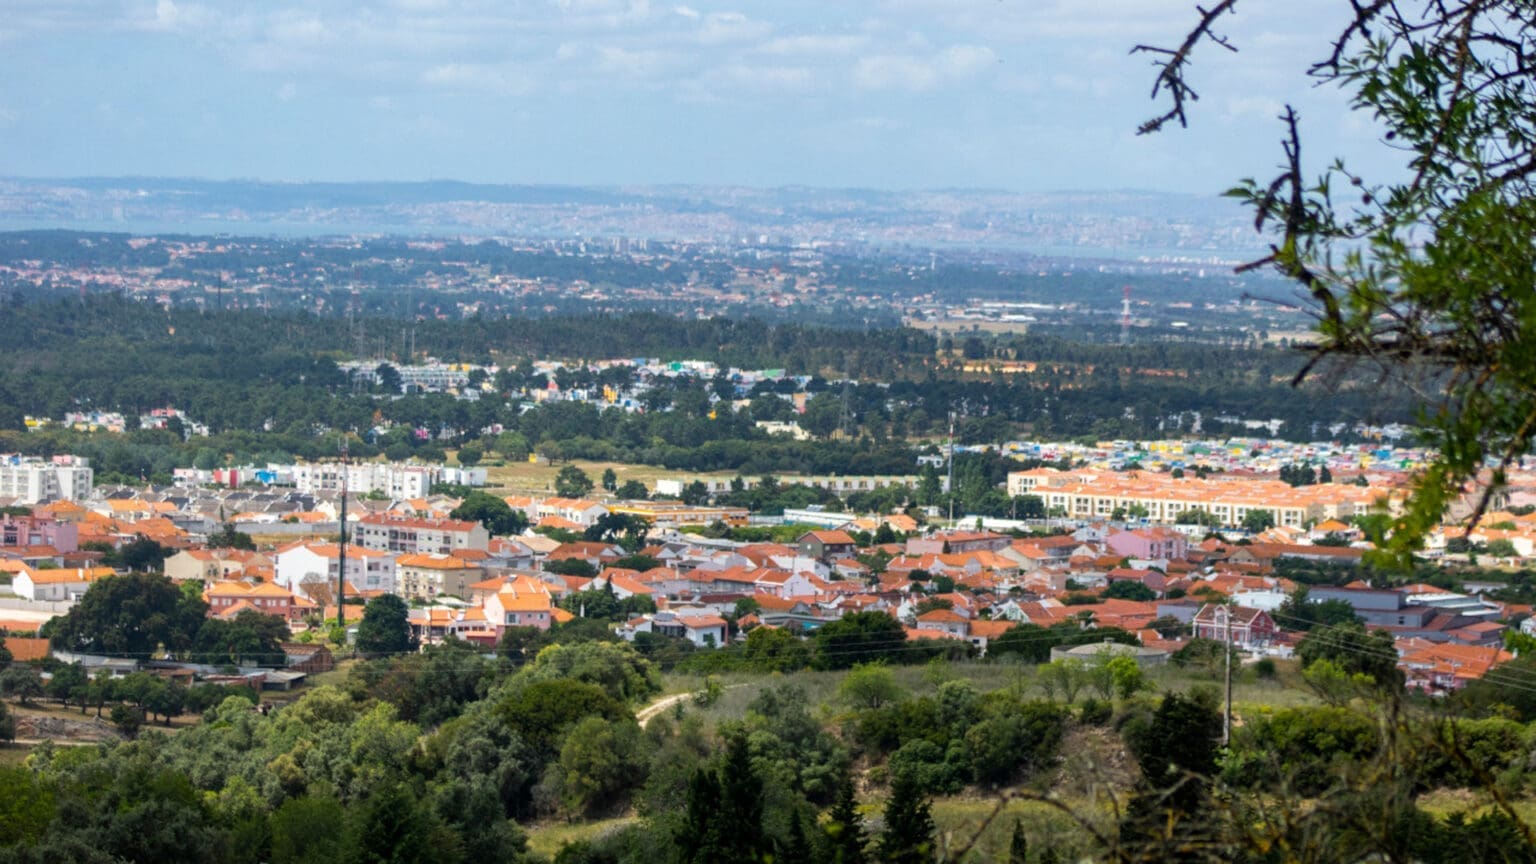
x: 1125, y: 317
x: 341, y: 563
x: 950, y: 486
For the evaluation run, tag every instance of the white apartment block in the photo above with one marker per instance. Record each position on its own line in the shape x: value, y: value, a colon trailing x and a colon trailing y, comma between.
x: 35, y: 481
x: 396, y: 481
x: 387, y: 532
x: 367, y: 569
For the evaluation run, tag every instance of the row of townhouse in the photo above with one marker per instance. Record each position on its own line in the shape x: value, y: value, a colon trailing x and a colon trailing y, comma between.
x: 394, y: 532
x: 1163, y: 498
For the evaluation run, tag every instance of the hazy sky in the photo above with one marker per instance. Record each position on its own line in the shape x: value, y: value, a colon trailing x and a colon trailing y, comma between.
x: 1011, y: 94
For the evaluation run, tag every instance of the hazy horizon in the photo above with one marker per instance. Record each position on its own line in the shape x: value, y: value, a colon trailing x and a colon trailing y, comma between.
x: 899, y: 95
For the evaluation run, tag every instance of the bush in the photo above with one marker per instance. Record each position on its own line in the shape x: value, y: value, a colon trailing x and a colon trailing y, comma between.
x: 1094, y: 712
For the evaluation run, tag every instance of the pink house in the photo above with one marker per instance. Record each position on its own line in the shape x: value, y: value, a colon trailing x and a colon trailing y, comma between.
x: 39, y: 531
x: 1251, y: 628
x: 1152, y: 544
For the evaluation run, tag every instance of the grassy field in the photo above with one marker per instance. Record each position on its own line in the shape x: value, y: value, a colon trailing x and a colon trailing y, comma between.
x: 547, y: 838
x: 1249, y: 692
x: 984, y: 826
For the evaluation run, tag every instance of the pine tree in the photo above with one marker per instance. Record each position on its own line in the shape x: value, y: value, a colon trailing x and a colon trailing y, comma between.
x: 908, y: 835
x: 699, y: 836
x: 1018, y: 847
x: 797, y: 847
x: 845, y: 830
x: 741, y: 805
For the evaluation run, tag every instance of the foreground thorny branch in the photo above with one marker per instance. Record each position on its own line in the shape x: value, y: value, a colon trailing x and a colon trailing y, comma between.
x: 1432, y: 277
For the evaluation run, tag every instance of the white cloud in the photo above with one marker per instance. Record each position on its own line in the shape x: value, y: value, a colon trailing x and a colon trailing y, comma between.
x: 815, y: 44
x: 722, y: 27
x: 495, y: 79
x: 917, y: 73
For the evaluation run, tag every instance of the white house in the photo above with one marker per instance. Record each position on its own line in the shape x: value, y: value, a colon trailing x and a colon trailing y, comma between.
x: 56, y: 585
x: 367, y: 569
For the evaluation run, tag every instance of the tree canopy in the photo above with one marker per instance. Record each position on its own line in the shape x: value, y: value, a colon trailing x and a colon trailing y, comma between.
x: 130, y: 616
x: 1427, y: 276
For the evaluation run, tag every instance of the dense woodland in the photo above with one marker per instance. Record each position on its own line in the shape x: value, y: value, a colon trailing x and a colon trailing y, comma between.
x: 268, y: 386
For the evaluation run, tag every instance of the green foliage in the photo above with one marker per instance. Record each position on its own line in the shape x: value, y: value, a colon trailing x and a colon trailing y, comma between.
x: 1301, y: 750
x: 229, y: 538
x: 845, y: 836
x: 908, y: 834
x: 22, y: 683
x: 616, y: 667
x: 572, y: 482
x: 599, y: 760
x: 131, y: 616
x: 862, y: 637
x: 1298, y: 613
x: 385, y: 628
x: 1354, y: 651
x: 430, y: 687
x: 1258, y: 521
x: 1125, y: 589
x: 724, y: 820
x: 251, y: 638
x: 541, y: 712
x: 304, y: 831
x: 499, y: 519
x: 27, y: 805
x: 869, y: 685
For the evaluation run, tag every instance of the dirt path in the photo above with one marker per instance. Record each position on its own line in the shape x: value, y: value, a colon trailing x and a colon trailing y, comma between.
x: 644, y: 715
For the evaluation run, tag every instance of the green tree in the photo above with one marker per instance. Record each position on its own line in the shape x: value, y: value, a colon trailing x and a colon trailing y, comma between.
x: 470, y: 455
x: 1258, y: 521
x: 385, y: 628
x: 21, y: 683
x: 599, y: 760
x: 251, y: 638
x: 616, y: 667
x: 1125, y: 589
x: 908, y: 834
x: 27, y: 803
x: 304, y: 831
x: 858, y: 638
x: 1029, y: 642
x: 130, y: 616
x: 494, y: 513
x: 610, y: 480
x: 870, y: 685
x: 141, y: 554
x: 393, y: 825
x: 774, y: 649
x: 1018, y: 844
x: 846, y: 839
x: 1427, y: 274
x: 632, y: 490
x: 572, y: 482
x: 228, y: 538
x: 1354, y: 650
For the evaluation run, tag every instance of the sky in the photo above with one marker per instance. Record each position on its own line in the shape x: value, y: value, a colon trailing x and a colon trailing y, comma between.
x: 1021, y: 95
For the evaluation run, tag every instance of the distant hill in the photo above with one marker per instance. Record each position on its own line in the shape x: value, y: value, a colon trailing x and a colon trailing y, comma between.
x: 1106, y: 223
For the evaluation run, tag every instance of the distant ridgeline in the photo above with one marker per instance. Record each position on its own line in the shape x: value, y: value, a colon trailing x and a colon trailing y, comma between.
x: 845, y: 285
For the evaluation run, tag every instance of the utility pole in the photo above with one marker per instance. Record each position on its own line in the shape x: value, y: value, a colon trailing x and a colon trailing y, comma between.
x: 950, y: 491
x: 341, y: 556
x: 1226, y: 642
